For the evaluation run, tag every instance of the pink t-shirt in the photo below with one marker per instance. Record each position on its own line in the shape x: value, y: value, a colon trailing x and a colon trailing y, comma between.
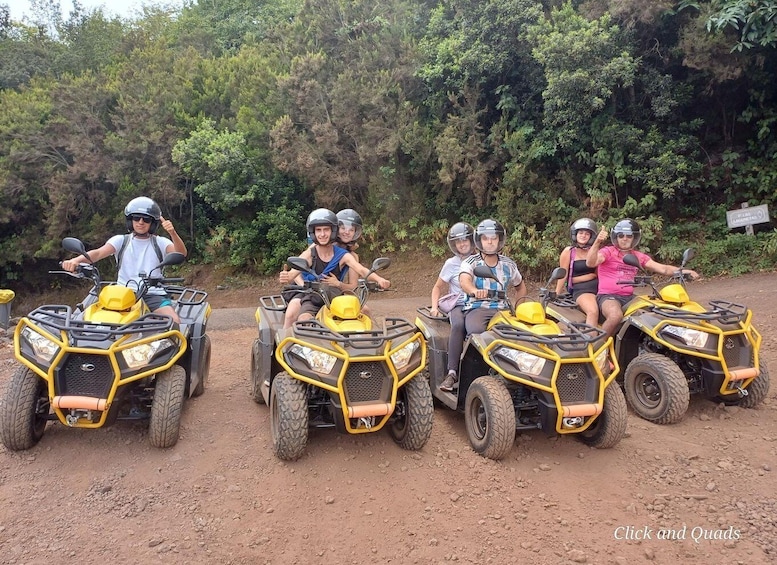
x: 613, y: 269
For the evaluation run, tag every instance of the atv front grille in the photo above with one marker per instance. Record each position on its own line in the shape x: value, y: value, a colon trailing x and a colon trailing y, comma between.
x: 367, y: 381
x: 572, y: 382
x: 732, y: 351
x: 85, y: 375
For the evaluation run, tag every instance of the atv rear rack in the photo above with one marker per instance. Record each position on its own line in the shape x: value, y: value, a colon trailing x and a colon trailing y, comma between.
x: 393, y: 328
x: 274, y: 302
x: 187, y: 296
x: 61, y: 319
x: 581, y: 335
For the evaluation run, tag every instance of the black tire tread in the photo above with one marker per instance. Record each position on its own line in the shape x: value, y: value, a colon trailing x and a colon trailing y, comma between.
x: 167, y: 407
x: 289, y: 416
x: 419, y: 418
x: 610, y: 427
x: 496, y: 399
x: 17, y: 411
x: 666, y: 372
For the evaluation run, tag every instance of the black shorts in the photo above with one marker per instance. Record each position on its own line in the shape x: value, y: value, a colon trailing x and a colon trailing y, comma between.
x: 620, y: 298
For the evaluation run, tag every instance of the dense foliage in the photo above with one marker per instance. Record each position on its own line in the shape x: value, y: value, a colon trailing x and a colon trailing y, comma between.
x: 239, y: 117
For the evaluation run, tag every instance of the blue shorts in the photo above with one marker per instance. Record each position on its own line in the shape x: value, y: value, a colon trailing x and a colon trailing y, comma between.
x: 157, y: 301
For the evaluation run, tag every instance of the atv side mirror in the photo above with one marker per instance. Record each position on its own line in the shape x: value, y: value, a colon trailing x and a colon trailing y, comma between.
x: 299, y: 264
x: 557, y: 274
x: 75, y: 245
x: 380, y: 263
x: 483, y: 272
x: 632, y: 260
x: 173, y: 258
x: 688, y: 254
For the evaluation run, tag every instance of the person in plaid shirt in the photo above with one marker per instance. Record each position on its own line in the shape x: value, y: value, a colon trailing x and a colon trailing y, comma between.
x: 479, y: 308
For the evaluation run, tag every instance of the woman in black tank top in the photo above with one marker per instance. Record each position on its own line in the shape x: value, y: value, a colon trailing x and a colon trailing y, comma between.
x: 581, y: 280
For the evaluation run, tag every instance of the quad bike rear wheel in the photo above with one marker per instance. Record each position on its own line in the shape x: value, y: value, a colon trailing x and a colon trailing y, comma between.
x: 610, y: 427
x: 256, y: 375
x: 203, y: 366
x: 413, y: 426
x: 756, y: 392
x: 656, y: 388
x: 288, y: 416
x: 489, y: 417
x: 24, y: 411
x: 165, y: 424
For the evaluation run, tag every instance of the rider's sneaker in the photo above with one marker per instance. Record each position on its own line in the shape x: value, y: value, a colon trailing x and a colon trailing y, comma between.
x: 450, y: 383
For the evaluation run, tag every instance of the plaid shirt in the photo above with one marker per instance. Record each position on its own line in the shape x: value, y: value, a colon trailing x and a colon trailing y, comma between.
x: 506, y: 271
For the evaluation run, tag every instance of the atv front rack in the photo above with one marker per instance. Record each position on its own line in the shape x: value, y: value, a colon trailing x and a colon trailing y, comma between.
x: 393, y: 328
x: 61, y: 319
x: 722, y: 311
x: 581, y: 335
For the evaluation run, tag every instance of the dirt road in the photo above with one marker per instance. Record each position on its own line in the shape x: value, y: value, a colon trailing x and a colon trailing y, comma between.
x: 701, y: 491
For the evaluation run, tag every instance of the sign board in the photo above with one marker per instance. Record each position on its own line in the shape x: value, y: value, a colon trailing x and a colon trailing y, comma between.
x: 747, y: 216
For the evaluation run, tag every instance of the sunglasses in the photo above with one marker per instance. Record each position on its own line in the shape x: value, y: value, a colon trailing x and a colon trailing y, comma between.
x: 622, y: 235
x: 144, y: 219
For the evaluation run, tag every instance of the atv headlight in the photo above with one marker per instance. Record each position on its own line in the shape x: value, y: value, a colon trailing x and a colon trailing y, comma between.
x: 317, y: 360
x: 142, y: 354
x: 401, y: 357
x: 526, y: 362
x: 43, y: 347
x: 694, y: 338
x: 602, y: 361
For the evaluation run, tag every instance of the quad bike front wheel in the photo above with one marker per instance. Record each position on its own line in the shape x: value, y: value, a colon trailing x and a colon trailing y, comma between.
x: 610, y: 427
x: 203, y: 366
x: 24, y: 411
x: 166, y: 407
x: 756, y: 392
x: 412, y: 426
x: 656, y: 388
x: 489, y: 417
x: 256, y: 374
x: 288, y: 416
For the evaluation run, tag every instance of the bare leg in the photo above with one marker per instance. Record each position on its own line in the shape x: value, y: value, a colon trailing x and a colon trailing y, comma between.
x: 613, y: 314
x: 168, y: 311
x: 587, y: 303
x: 292, y: 311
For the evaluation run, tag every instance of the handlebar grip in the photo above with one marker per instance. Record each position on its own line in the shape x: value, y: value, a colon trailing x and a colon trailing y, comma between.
x: 173, y: 280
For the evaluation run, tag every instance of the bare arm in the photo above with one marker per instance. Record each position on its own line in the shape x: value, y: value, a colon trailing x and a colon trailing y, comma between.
x: 668, y: 270
x: 94, y: 256
x: 563, y: 261
x: 594, y: 258
x: 291, y: 276
x: 437, y: 289
x: 178, y: 244
x: 353, y: 264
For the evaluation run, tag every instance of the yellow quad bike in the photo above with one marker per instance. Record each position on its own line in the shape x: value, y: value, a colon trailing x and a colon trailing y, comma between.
x: 339, y: 370
x: 673, y: 347
x: 107, y: 359
x: 527, y: 372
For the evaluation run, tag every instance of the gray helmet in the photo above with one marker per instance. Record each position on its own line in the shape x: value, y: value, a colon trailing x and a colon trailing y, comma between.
x: 490, y: 227
x: 143, y: 206
x: 460, y: 231
x: 321, y: 217
x: 626, y: 227
x: 586, y: 224
x: 350, y: 218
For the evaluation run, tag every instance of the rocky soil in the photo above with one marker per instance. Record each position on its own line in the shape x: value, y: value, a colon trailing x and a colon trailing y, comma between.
x: 700, y: 491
